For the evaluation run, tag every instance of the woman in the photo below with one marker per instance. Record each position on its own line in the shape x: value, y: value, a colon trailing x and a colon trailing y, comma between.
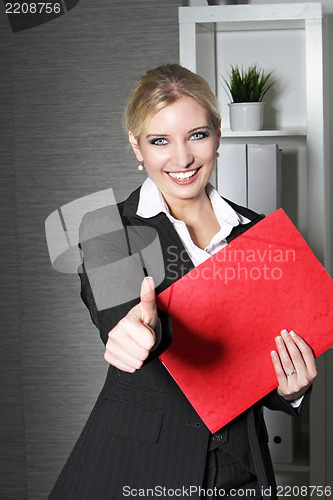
x: 143, y: 437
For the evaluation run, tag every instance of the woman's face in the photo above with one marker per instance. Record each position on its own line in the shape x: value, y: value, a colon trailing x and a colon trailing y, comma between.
x: 178, y: 148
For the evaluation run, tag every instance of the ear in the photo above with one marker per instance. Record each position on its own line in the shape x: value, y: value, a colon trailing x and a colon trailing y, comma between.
x: 135, y: 146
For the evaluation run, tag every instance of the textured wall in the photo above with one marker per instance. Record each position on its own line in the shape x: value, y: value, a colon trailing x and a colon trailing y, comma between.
x: 12, y: 441
x: 62, y: 94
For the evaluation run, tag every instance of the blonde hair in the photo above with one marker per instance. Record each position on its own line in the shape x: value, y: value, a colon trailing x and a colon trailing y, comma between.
x: 162, y: 86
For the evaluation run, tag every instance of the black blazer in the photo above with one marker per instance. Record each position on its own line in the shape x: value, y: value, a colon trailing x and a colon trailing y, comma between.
x: 142, y: 432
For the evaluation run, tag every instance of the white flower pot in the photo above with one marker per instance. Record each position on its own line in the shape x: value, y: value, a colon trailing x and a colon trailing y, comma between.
x: 246, y: 115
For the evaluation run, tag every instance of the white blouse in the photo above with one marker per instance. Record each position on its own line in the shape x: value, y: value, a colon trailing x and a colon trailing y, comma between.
x: 151, y: 203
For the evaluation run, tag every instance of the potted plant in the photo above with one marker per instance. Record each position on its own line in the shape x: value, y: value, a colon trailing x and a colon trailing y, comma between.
x: 247, y: 89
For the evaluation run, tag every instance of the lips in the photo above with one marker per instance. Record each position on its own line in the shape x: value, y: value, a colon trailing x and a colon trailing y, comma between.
x: 184, y: 177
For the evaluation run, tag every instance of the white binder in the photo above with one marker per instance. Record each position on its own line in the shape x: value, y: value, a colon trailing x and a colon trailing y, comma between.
x: 231, y: 173
x: 250, y: 175
x: 280, y: 428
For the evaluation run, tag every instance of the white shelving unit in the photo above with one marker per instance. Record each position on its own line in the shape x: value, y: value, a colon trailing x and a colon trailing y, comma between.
x: 204, y: 29
x: 286, y: 38
x: 227, y: 132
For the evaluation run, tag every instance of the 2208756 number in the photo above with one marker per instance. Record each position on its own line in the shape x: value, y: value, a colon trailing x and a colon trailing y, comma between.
x: 304, y: 491
x: 33, y: 8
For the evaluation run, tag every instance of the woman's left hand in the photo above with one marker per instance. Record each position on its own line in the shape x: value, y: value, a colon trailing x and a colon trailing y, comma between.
x: 294, y: 365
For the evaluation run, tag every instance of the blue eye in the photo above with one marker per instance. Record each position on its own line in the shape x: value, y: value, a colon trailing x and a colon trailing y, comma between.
x: 159, y: 142
x: 199, y: 135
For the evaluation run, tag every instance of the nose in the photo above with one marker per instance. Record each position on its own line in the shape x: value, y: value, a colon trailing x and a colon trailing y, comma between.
x: 182, y: 156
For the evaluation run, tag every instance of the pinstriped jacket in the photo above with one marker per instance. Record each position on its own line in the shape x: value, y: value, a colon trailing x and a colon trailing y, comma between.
x: 142, y: 432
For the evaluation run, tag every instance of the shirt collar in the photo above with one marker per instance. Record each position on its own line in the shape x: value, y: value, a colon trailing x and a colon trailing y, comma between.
x: 151, y: 203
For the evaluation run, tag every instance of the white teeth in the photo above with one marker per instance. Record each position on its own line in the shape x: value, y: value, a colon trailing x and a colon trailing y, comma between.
x: 180, y: 176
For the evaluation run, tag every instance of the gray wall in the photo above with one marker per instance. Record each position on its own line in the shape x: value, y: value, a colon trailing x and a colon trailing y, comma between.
x: 63, y: 89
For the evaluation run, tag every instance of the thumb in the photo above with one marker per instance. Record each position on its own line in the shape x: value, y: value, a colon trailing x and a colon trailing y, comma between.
x: 148, y: 305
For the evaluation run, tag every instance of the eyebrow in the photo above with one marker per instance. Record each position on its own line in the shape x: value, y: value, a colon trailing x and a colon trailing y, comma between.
x: 204, y: 127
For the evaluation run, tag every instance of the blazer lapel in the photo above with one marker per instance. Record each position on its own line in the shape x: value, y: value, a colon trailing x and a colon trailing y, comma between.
x: 177, y: 262
x: 241, y: 228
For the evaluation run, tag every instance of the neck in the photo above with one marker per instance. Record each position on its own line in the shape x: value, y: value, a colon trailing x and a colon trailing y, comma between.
x: 188, y: 209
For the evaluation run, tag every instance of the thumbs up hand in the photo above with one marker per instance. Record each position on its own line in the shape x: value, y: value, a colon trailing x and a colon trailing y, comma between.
x: 147, y: 305
x: 132, y: 338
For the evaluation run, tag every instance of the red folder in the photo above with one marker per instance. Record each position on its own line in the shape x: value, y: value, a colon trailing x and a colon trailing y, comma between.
x: 227, y: 312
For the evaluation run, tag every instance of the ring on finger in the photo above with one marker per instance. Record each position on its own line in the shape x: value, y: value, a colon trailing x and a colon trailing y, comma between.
x: 291, y: 373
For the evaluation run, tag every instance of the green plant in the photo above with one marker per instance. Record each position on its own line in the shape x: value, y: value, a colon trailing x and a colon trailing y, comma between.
x: 248, y: 85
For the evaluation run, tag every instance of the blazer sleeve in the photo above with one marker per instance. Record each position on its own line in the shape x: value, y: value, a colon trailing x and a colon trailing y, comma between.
x: 111, y: 275
x: 273, y: 401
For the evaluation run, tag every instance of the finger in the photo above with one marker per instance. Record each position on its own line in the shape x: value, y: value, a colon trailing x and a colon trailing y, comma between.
x: 127, y: 342
x: 298, y: 352
x: 122, y: 350
x: 288, y: 387
x: 284, y: 355
x: 307, y: 353
x: 280, y: 373
x: 139, y: 332
x: 294, y: 352
x: 130, y: 367
x: 148, y: 305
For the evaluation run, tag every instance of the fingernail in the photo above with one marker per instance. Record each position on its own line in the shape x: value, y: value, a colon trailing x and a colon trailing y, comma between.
x: 284, y: 332
x: 279, y: 340
x: 292, y: 333
x: 148, y: 286
x: 149, y: 281
x: 273, y: 354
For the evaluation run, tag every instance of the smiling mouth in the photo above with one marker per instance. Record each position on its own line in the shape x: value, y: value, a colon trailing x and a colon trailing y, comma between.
x: 183, y: 176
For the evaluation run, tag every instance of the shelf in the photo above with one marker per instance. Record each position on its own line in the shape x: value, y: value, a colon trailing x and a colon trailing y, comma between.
x: 249, y: 25
x: 212, y: 38
x: 264, y: 133
x: 250, y: 17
